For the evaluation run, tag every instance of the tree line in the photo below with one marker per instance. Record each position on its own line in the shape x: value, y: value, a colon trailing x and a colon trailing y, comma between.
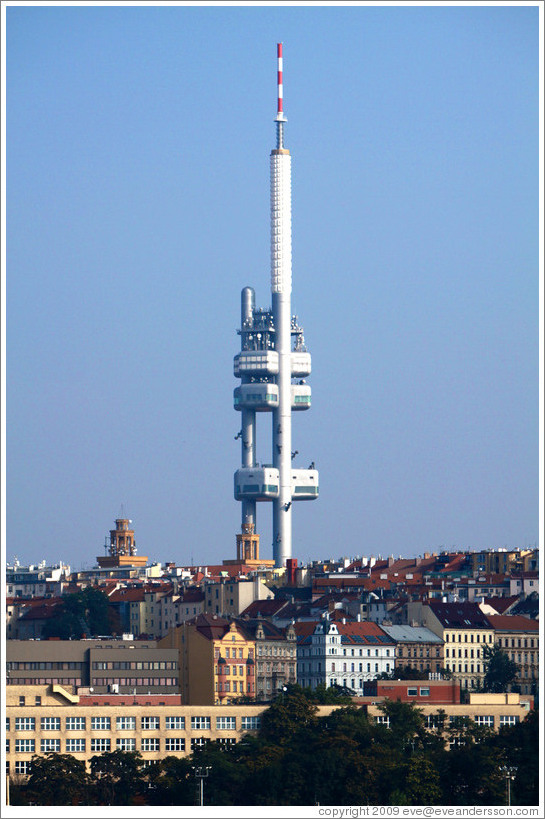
x: 298, y: 758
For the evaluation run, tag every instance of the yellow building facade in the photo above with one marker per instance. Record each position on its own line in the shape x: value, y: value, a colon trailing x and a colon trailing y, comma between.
x: 43, y: 719
x: 216, y: 660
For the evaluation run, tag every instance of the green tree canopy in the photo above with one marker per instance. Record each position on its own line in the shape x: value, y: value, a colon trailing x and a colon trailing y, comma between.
x: 57, y: 779
x: 500, y: 671
x: 83, y: 612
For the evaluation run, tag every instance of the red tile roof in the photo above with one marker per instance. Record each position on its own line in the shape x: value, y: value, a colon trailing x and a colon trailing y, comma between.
x: 513, y: 622
x: 500, y: 604
x: 265, y: 608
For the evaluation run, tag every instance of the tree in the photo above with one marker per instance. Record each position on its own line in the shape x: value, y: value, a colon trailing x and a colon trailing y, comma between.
x: 171, y: 782
x: 82, y: 612
x: 118, y: 777
x: 406, y: 724
x: 96, y: 606
x: 290, y: 711
x: 422, y: 784
x: 57, y: 779
x: 331, y: 695
x: 500, y: 671
x: 518, y: 745
x: 401, y: 672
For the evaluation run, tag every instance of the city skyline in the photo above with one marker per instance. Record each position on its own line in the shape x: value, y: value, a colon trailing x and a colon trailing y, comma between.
x: 138, y: 207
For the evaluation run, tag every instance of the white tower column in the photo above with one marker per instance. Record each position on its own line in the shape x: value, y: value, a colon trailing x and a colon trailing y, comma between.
x: 281, y: 307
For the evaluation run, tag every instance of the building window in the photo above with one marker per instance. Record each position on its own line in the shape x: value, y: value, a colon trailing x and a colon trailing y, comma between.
x: 25, y: 746
x: 424, y: 692
x: 482, y: 719
x: 200, y: 723
x: 22, y: 768
x: 125, y: 723
x: 75, y: 746
x: 150, y: 723
x: 51, y: 723
x: 100, y: 724
x: 250, y: 723
x: 175, y: 744
x: 226, y: 742
x: 198, y: 742
x: 508, y: 719
x: 47, y: 745
x: 175, y: 723
x: 100, y: 745
x: 226, y: 723
x: 125, y: 744
x: 383, y: 720
x: 412, y: 692
x: 75, y: 723
x: 25, y: 724
x: 151, y: 744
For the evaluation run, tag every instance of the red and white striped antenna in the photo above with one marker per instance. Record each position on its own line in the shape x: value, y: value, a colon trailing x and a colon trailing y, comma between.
x: 280, y: 119
x: 280, y: 110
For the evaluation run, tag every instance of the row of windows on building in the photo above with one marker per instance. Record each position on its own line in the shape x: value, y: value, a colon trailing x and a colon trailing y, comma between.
x: 134, y: 681
x: 518, y: 642
x: 231, y: 686
x: 125, y: 723
x: 468, y: 652
x: 228, y: 670
x: 274, y: 667
x: 435, y: 721
x: 417, y: 652
x: 231, y: 653
x: 275, y: 651
x: 467, y: 638
x: 46, y: 666
x: 464, y: 668
x: 362, y: 652
x: 73, y: 746
x: 43, y: 680
x: 155, y: 665
x: 98, y: 746
x: 301, y: 668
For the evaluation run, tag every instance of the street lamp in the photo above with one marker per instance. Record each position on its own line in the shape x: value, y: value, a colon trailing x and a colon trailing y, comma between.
x: 201, y: 772
x: 510, y: 772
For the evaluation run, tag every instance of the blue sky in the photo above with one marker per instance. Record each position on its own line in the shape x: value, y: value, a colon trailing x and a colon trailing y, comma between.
x: 138, y: 143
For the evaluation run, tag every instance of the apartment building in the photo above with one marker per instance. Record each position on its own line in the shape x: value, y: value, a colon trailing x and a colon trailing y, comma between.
x: 216, y: 658
x: 465, y: 631
x: 504, y: 561
x: 418, y: 647
x: 139, y: 608
x: 341, y: 653
x: 36, y: 580
x: 275, y: 656
x: 26, y: 617
x: 518, y: 636
x: 230, y: 597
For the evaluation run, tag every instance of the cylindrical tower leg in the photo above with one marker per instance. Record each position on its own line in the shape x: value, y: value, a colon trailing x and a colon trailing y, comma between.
x: 248, y: 460
x: 282, y: 431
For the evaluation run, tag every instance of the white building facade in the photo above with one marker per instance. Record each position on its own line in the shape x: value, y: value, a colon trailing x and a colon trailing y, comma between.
x: 343, y: 654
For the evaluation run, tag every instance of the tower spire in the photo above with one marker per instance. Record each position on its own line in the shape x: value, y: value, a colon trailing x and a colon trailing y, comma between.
x: 280, y: 119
